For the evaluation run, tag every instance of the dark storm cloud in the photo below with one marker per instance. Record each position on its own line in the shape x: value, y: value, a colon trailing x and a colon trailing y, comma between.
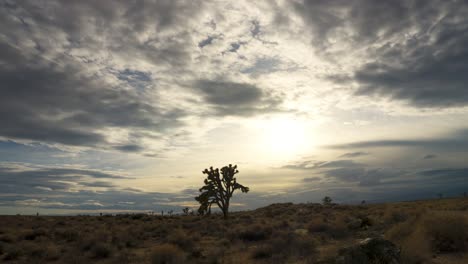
x: 237, y: 99
x: 417, y: 50
x: 48, y: 93
x: 45, y: 102
x: 120, y: 22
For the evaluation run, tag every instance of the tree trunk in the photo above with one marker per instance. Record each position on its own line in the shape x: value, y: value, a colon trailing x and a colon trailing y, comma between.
x: 226, y: 210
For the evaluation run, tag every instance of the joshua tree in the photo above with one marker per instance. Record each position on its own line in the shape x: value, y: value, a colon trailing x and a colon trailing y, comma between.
x: 218, y: 189
x: 326, y: 200
x: 186, y: 211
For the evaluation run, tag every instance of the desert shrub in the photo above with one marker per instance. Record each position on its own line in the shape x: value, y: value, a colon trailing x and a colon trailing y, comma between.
x: 137, y: 216
x: 12, y: 253
x: 255, y: 233
x: 101, y: 251
x: 52, y: 252
x: 61, y: 223
x: 124, y: 239
x: 448, y: 232
x: 401, y: 231
x: 302, y: 246
x: 180, y: 238
x: 68, y: 235
x: 34, y: 250
x: 6, y: 238
x: 41, y: 251
x: 317, y: 226
x: 86, y: 244
x: 366, y: 221
x: 285, y: 246
x: 263, y: 252
x: 167, y: 254
x: 33, y: 234
x: 338, y: 231
x: 394, y: 217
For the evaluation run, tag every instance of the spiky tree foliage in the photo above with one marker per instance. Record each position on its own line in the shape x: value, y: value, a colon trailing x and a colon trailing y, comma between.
x: 327, y: 200
x: 218, y: 189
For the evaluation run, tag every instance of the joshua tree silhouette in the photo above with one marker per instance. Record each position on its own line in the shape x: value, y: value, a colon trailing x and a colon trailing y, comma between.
x: 218, y: 189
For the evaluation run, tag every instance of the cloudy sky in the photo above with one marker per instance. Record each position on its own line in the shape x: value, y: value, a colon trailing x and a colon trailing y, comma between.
x: 119, y: 105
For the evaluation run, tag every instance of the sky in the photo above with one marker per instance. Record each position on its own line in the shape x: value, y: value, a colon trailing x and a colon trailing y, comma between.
x: 118, y: 106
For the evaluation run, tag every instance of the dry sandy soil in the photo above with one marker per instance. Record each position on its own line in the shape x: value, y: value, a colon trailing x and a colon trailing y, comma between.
x: 431, y: 231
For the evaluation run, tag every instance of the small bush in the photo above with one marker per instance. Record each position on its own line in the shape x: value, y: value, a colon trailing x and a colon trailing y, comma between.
x: 6, y: 238
x: 167, y: 254
x: 180, y: 238
x: 285, y: 246
x: 33, y: 234
x: 52, y: 252
x: 68, y: 235
x: 263, y: 252
x: 317, y: 227
x: 12, y: 253
x: 101, y: 251
x: 255, y: 233
x: 395, y: 217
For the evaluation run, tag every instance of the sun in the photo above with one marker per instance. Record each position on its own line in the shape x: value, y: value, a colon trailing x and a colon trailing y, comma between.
x: 283, y: 136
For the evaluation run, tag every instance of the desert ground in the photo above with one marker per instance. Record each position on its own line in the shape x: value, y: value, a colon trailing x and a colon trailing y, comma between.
x: 429, y: 231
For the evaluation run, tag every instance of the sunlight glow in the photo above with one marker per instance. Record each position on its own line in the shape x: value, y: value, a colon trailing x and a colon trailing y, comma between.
x: 284, y: 137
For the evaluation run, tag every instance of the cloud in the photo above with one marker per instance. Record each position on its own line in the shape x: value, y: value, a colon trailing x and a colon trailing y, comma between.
x: 29, y: 179
x: 452, y: 142
x: 129, y: 148
x: 446, y: 173
x: 430, y: 156
x: 60, y: 102
x: 236, y: 99
x: 206, y: 41
x: 72, y: 189
x: 314, y: 165
x: 311, y: 179
x: 354, y: 154
x: 101, y: 184
x: 412, y: 51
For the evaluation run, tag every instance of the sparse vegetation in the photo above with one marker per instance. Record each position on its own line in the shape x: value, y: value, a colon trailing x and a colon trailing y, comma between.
x: 431, y: 232
x: 167, y: 254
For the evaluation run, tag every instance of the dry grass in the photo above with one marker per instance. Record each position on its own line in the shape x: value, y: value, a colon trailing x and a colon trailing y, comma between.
x: 433, y: 231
